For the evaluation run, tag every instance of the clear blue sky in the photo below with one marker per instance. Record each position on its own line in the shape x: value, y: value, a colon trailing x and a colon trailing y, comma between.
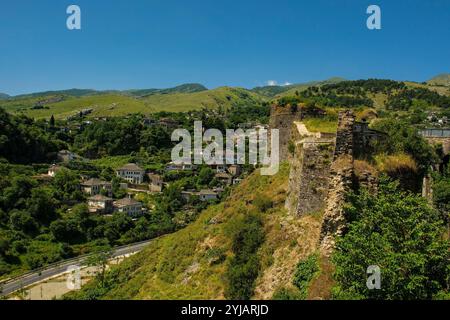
x: 127, y: 44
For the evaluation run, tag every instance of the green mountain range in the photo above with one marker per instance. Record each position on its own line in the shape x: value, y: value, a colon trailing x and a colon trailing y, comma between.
x: 65, y: 103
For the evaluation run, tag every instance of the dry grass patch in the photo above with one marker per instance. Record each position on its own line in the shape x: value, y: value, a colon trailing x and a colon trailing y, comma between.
x: 397, y: 163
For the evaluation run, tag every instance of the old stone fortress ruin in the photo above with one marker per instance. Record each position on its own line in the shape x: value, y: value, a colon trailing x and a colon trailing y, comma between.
x: 322, y: 165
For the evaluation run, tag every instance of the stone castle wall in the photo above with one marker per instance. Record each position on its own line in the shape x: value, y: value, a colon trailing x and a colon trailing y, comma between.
x: 322, y: 170
x: 310, y: 165
x: 282, y: 119
x: 341, y: 180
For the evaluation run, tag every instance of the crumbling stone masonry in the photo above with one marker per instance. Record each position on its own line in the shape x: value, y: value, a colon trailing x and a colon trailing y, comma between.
x: 281, y: 118
x: 341, y: 178
x: 310, y: 158
x: 322, y: 168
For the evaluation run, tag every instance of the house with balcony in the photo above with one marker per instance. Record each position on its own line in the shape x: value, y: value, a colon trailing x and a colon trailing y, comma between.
x: 132, y: 173
x: 95, y: 186
x: 129, y: 206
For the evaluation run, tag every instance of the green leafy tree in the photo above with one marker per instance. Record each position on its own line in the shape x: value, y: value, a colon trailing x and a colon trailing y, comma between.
x: 66, y: 183
x: 400, y: 233
x: 243, y: 268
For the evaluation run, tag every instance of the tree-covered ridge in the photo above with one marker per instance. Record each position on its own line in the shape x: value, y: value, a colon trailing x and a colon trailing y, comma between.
x: 351, y: 93
x: 383, y: 94
x: 22, y: 140
x: 116, y: 136
x: 408, y: 98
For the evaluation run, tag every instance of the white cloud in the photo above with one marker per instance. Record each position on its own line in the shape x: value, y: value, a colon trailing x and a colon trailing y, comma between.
x: 275, y: 83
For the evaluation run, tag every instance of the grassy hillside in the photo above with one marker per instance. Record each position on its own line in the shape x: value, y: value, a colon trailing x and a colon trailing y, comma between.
x: 192, y: 263
x: 184, y: 88
x: 440, y: 80
x: 120, y: 105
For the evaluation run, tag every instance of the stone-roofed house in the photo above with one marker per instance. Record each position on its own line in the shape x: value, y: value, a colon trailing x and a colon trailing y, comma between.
x: 100, y: 204
x: 129, y: 206
x: 132, y: 173
x: 94, y: 187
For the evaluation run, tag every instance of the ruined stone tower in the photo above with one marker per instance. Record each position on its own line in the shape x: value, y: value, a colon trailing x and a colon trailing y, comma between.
x: 281, y: 118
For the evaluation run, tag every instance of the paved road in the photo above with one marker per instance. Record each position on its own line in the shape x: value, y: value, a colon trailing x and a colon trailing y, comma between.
x: 33, y: 277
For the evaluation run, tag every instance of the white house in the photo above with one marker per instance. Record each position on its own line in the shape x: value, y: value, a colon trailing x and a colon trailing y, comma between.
x: 129, y: 206
x: 95, y: 186
x: 132, y: 173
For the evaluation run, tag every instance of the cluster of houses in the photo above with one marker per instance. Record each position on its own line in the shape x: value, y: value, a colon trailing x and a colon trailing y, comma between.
x: 100, y: 192
x: 226, y: 174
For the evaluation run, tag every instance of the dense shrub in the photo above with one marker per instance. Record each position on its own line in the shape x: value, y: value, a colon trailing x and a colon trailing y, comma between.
x: 400, y: 233
x: 304, y: 273
x: 243, y: 268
